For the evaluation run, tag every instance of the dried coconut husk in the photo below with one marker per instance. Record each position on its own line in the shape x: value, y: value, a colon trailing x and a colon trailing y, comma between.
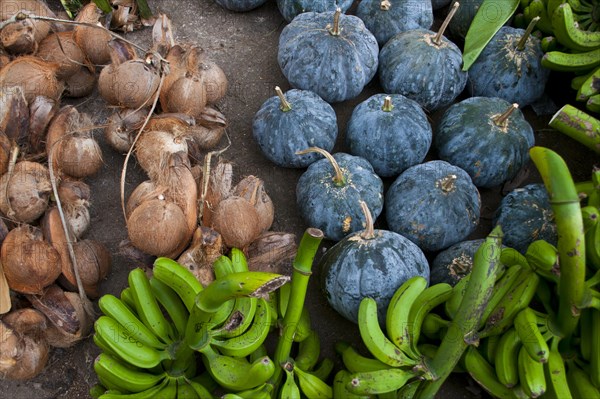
x: 272, y: 252
x: 252, y: 189
x: 133, y: 254
x: 21, y: 356
x: 176, y: 57
x: 19, y: 37
x: 61, y: 48
x: 34, y: 76
x: 3, y: 230
x: 121, y: 127
x: 93, y: 41
x: 14, y: 114
x: 41, y: 112
x: 175, y: 123
x: 144, y: 191
x: 218, y: 188
x: 30, y: 263
x: 4, y: 57
x: 215, y: 81
x: 237, y: 220
x: 59, y: 338
x: 24, y: 193
x: 186, y: 95
x: 206, y: 247
x: 80, y: 84
x: 154, y: 148
x: 75, y: 199
x: 41, y: 29
x: 27, y: 321
x: 5, y: 148
x: 94, y: 265
x: 209, y: 128
x: 54, y: 234
x: 73, y: 191
x: 162, y: 35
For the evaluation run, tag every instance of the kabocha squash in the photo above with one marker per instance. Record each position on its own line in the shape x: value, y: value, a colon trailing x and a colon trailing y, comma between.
x: 240, y: 5
x: 510, y: 67
x: 385, y: 18
x: 433, y: 204
x: 454, y: 263
x: 289, y: 9
x: 437, y: 4
x: 487, y: 137
x: 286, y: 124
x: 330, y: 53
x: 391, y: 132
x: 525, y: 215
x: 459, y: 26
x: 329, y: 191
x: 423, y: 66
x: 369, y: 263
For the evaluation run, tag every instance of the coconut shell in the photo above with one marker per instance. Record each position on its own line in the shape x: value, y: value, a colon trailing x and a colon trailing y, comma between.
x: 61, y: 48
x: 41, y: 28
x: 53, y: 303
x: 26, y: 321
x: 27, y: 192
x: 206, y: 247
x: 93, y: 263
x: 121, y: 127
x: 174, y: 123
x: 41, y: 112
x: 237, y: 221
x: 154, y: 149
x: 132, y: 84
x: 218, y: 188
x: 80, y: 84
x: 93, y: 41
x: 19, y: 37
x: 162, y: 35
x: 34, y: 76
x: 56, y: 336
x: 71, y: 191
x: 176, y: 57
x: 30, y: 263
x: 252, y: 189
x: 21, y: 357
x: 144, y: 191
x: 186, y: 95
x: 5, y: 147
x: 272, y: 252
x: 14, y: 114
x: 215, y: 81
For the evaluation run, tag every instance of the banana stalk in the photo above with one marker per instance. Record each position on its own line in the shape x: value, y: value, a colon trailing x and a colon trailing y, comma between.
x: 578, y: 125
x: 486, y: 264
x: 302, y: 267
x: 571, y: 244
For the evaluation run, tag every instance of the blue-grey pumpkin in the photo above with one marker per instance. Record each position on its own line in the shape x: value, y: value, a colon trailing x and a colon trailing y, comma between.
x: 454, y: 263
x: 329, y: 192
x: 291, y: 122
x: 437, y: 4
x: 385, y: 18
x: 289, y: 9
x: 525, y: 215
x: 330, y: 53
x: 433, y: 204
x: 509, y: 68
x: 390, y: 131
x: 460, y: 23
x: 240, y: 5
x: 370, y: 263
x: 486, y: 136
x: 420, y: 66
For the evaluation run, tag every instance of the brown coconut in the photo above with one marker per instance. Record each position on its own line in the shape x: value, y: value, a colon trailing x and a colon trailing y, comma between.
x: 93, y: 41
x: 80, y: 84
x: 272, y: 252
x: 21, y: 356
x: 206, y: 247
x: 5, y: 148
x: 41, y: 28
x: 253, y: 190
x: 217, y: 188
x: 26, y: 192
x: 26, y: 321
x: 154, y: 148
x: 238, y: 222
x: 122, y: 125
x: 34, y: 76
x: 14, y: 114
x: 41, y: 112
x: 61, y: 48
x: 19, y: 37
x: 215, y: 81
x: 209, y: 128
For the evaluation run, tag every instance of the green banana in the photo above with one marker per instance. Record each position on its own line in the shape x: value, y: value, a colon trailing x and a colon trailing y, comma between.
x: 593, y: 103
x: 501, y: 288
x: 571, y: 62
x: 340, y: 381
x: 590, y: 86
x: 113, y: 307
x: 150, y: 393
x: 569, y: 35
x: 186, y: 391
x: 579, y: 6
x: 283, y: 298
x: 262, y: 391
x: 458, y: 291
x: 549, y: 43
x: 246, y: 343
x: 303, y: 328
x: 542, y: 258
x: 240, y: 317
x: 355, y: 362
x: 124, y: 378
x: 434, y: 326
x: 312, y: 386
x: 592, y: 246
x: 556, y: 375
x: 409, y: 390
x: 482, y: 372
x: 488, y: 346
x: 323, y: 369
x: 261, y: 351
x: 398, y: 313
x: 375, y: 340
x: 169, y: 391
x: 578, y: 80
x: 289, y: 389
x: 147, y: 306
x: 537, y: 8
x: 429, y: 299
x: 127, y: 299
x: 180, y: 279
x: 172, y: 304
x: 527, y: 328
x: 531, y: 374
x: 380, y: 381
x: 580, y: 384
x: 203, y: 384
x: 507, y: 352
x: 309, y: 351
x: 127, y: 347
x: 595, y: 349
x: 96, y: 390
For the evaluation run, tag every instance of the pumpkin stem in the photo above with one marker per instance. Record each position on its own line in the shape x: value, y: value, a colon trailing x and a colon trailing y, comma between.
x: 335, y: 29
x: 369, y: 231
x: 387, y: 104
x: 338, y: 179
x: 523, y: 41
x: 446, y: 183
x: 385, y: 5
x: 437, y: 40
x: 285, y: 105
x: 502, y: 119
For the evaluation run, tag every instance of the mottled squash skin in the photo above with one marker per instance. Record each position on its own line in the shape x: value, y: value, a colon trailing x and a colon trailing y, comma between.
x: 390, y: 140
x: 433, y: 204
x: 401, y: 16
x: 437, y: 4
x: 358, y: 267
x: 289, y: 9
x: 506, y: 72
x: 460, y: 23
x: 336, y: 209
x: 336, y: 67
x: 525, y: 215
x: 412, y: 65
x: 240, y: 5
x: 453, y: 263
x: 311, y: 122
x: 468, y: 138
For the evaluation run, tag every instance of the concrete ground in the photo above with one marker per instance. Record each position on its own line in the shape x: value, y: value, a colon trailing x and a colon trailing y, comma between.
x: 244, y: 45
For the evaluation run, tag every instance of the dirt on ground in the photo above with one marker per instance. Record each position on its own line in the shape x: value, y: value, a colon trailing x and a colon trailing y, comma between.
x: 244, y: 45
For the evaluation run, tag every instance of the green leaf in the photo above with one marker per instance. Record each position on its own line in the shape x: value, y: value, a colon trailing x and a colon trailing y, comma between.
x: 489, y: 19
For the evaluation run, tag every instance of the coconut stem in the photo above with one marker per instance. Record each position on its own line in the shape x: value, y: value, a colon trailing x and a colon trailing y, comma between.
x: 523, y: 41
x: 335, y: 29
x: 14, y: 154
x: 285, y: 105
x: 369, y: 231
x: 385, y: 5
x: 338, y: 179
x: 502, y: 119
x: 387, y: 104
x: 437, y: 40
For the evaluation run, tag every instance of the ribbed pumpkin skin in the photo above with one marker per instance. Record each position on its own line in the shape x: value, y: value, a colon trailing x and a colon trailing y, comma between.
x: 401, y: 16
x: 411, y: 65
x: 280, y: 134
x: 337, y: 68
x: 454, y: 262
x: 418, y: 207
x: 240, y: 5
x: 390, y: 140
x: 437, y: 4
x: 525, y: 215
x: 289, y: 9
x: 333, y: 209
x: 468, y: 138
x: 503, y: 71
x: 356, y: 267
x: 460, y: 23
